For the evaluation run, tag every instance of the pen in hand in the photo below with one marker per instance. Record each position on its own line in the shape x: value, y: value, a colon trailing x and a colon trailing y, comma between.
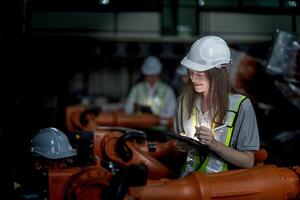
x: 219, y: 127
x: 214, y: 129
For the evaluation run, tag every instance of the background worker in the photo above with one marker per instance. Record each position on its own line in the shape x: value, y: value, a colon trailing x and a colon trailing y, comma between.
x: 151, y: 94
x: 180, y: 78
x: 207, y: 111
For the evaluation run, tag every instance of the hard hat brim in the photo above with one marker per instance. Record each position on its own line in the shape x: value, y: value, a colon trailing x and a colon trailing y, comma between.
x: 154, y: 72
x: 201, y: 68
x: 65, y: 155
x: 194, y: 66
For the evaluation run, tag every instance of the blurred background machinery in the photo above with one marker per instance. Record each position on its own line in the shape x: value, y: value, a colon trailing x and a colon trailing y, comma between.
x: 61, y: 54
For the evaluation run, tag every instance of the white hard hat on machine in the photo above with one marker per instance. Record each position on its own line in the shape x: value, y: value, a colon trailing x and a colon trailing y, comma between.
x: 52, y: 143
x: 206, y: 53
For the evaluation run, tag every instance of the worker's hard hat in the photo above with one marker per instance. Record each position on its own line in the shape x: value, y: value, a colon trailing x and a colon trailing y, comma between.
x: 206, y: 53
x: 151, y: 66
x: 52, y: 143
x: 181, y: 70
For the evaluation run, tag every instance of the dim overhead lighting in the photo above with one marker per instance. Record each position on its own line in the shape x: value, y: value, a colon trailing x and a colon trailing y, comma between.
x: 103, y: 2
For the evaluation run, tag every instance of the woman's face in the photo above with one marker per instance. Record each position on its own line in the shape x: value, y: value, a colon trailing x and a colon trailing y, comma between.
x: 200, y: 81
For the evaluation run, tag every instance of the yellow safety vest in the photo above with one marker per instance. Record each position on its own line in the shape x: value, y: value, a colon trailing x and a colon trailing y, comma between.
x: 212, y: 162
x: 159, y: 92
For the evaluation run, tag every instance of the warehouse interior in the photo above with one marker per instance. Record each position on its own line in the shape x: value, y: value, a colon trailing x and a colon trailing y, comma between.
x: 59, y: 53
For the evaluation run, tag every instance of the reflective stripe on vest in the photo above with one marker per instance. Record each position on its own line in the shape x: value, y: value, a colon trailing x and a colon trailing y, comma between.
x: 212, y: 162
x: 160, y: 92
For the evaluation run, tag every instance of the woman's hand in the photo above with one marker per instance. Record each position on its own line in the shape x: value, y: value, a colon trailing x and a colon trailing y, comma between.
x: 205, y: 136
x: 243, y: 159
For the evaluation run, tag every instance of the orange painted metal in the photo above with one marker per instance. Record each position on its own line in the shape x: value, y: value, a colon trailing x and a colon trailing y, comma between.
x: 105, y: 144
x: 260, y: 156
x: 80, y: 182
x: 88, y: 183
x: 119, y: 118
x: 144, y: 120
x: 106, y: 119
x: 73, y: 117
x: 101, y: 137
x: 163, y: 149
x: 261, y: 183
x: 58, y: 177
x: 108, y: 148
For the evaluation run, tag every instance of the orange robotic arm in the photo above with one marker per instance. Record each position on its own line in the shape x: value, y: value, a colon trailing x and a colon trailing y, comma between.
x: 121, y: 119
x: 263, y: 183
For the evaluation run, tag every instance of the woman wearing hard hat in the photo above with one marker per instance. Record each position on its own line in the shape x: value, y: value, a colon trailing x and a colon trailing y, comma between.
x: 207, y: 111
x: 151, y: 95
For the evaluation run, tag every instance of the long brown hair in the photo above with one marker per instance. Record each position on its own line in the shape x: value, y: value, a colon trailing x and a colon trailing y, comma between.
x: 218, y: 94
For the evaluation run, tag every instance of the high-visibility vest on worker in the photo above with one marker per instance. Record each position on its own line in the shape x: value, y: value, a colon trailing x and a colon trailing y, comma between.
x: 154, y: 101
x: 212, y: 162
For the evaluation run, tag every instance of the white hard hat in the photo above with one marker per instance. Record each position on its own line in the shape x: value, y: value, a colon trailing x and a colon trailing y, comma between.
x: 206, y: 53
x: 151, y: 66
x: 52, y: 143
x: 182, y: 70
